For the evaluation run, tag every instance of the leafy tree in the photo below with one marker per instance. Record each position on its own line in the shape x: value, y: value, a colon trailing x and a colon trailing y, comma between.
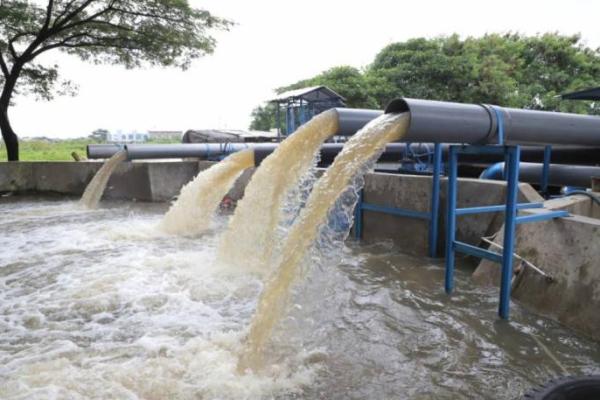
x: 509, y: 70
x: 263, y: 117
x: 127, y: 32
x: 100, y: 135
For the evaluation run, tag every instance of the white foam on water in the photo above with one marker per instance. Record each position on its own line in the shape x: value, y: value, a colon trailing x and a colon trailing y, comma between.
x: 102, y: 305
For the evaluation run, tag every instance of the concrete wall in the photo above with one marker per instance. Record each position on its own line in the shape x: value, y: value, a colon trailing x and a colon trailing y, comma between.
x: 578, y: 205
x: 567, y: 249
x: 413, y: 192
x: 145, y: 181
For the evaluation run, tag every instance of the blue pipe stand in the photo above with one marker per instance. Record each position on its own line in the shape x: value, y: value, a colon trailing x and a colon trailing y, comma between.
x: 510, y: 208
x: 431, y: 215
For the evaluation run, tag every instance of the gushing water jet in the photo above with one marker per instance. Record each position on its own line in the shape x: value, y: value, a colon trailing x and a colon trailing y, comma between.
x: 249, y: 242
x: 94, y: 190
x: 198, y: 200
x: 357, y: 156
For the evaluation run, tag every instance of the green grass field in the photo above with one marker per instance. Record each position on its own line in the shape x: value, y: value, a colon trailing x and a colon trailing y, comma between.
x: 43, y: 150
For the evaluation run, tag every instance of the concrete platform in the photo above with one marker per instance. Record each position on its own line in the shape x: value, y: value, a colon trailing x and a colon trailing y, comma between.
x: 567, y: 249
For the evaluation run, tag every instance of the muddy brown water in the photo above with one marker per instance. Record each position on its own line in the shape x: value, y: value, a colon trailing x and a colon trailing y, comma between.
x: 103, y: 304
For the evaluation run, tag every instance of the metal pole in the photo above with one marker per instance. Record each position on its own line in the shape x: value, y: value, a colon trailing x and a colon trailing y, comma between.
x: 435, y: 200
x: 289, y: 113
x: 278, y: 118
x: 358, y: 213
x: 451, y: 217
x: 512, y: 185
x: 302, y: 113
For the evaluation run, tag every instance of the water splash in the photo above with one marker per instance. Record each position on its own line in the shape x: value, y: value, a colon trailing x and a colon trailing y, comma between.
x: 357, y: 155
x: 105, y: 306
x: 198, y: 200
x: 94, y: 190
x: 249, y: 240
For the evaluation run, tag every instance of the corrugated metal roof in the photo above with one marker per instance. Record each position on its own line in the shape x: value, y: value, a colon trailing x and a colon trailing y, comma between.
x: 312, y: 93
x: 226, y: 135
x: 588, y: 94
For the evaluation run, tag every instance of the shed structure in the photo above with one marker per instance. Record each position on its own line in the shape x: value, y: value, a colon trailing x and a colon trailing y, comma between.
x: 300, y: 105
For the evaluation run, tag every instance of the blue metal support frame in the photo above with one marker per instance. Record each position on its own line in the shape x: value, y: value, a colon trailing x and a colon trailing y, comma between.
x: 358, y: 213
x: 499, y: 208
x: 510, y: 209
x: 290, y: 120
x: 541, y: 217
x: 435, y: 200
x: 451, y: 218
x: 302, y: 113
x: 512, y: 155
x: 431, y: 215
x: 477, y: 252
x: 510, y: 215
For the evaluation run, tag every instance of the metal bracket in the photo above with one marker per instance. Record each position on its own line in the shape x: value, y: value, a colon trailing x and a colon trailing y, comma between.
x: 431, y: 215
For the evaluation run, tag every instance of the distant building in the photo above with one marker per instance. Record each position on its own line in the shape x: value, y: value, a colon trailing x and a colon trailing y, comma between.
x: 126, y: 137
x: 165, y: 135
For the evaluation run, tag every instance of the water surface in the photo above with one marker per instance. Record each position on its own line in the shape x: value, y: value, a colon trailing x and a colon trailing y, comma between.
x: 102, y: 304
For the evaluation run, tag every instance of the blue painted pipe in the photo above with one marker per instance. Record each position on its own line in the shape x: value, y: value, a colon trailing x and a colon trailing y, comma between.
x: 494, y: 171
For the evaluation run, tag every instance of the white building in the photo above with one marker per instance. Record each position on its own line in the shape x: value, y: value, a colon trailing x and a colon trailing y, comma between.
x: 165, y: 135
x: 127, y: 137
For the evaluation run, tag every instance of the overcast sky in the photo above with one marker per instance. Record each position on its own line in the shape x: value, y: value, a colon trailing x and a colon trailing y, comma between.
x: 275, y: 43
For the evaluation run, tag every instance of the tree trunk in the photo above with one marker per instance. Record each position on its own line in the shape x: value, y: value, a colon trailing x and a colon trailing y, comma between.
x: 10, y: 138
x: 8, y: 134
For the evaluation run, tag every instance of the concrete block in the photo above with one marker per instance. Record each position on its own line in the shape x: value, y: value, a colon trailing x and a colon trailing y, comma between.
x: 568, y: 250
x: 411, y: 192
x: 145, y: 181
x: 167, y: 178
x: 129, y: 181
x: 65, y: 177
x: 16, y: 177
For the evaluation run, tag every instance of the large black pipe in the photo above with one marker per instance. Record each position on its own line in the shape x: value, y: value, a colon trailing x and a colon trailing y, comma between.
x: 393, y: 152
x: 559, y: 175
x: 445, y: 122
x: 94, y: 151
x: 430, y: 121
